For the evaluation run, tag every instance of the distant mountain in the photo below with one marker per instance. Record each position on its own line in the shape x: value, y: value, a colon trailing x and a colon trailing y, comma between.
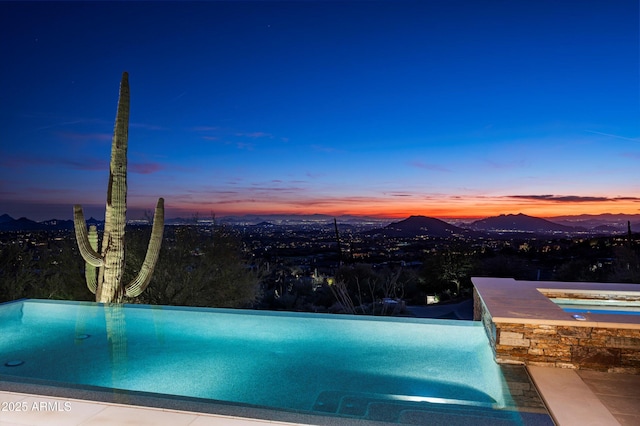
x: 264, y: 224
x: 519, y: 223
x: 601, y: 222
x: 604, y: 224
x: 6, y: 218
x: 22, y: 224
x: 415, y: 226
x: 7, y: 223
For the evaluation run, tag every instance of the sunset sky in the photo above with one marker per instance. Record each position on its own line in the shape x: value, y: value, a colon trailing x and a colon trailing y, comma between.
x: 390, y: 108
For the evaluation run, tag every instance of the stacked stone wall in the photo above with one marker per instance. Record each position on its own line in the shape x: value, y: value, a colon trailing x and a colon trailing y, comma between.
x: 604, y: 349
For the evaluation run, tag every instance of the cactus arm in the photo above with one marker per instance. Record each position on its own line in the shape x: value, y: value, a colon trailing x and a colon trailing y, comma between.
x: 89, y: 269
x: 88, y: 253
x: 141, y: 281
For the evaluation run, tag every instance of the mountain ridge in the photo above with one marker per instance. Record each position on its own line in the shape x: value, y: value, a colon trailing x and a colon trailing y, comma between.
x: 413, y: 225
x: 417, y: 225
x: 520, y: 223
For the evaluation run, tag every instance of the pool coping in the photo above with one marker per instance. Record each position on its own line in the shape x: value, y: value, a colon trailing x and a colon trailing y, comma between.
x: 251, y: 312
x: 568, y: 398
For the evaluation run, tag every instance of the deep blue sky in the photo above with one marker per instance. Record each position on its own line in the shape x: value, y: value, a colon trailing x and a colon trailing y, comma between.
x: 443, y: 108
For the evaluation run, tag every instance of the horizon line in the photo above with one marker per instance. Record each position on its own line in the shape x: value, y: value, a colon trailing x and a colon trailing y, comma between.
x: 198, y: 216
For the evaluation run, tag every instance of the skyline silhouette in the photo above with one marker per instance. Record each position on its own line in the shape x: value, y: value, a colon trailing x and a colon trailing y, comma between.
x: 384, y: 109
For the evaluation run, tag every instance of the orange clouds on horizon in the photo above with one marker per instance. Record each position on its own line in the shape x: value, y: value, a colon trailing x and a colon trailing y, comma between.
x: 461, y: 208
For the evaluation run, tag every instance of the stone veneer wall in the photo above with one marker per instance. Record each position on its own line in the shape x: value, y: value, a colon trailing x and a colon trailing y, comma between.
x: 578, y: 347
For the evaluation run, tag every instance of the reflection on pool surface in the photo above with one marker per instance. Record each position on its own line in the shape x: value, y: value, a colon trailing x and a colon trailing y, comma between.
x: 324, y: 364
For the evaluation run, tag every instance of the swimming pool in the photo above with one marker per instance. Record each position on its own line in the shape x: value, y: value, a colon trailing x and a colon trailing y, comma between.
x: 598, y: 306
x: 316, y: 363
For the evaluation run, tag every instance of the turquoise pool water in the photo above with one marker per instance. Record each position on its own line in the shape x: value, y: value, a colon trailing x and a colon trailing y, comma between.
x: 614, y: 307
x: 336, y: 365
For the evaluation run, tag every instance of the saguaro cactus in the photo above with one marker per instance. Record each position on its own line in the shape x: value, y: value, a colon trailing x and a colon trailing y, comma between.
x: 104, y: 268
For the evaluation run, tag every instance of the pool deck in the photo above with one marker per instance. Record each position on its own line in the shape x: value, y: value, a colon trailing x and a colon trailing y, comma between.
x: 65, y: 411
x: 583, y: 397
